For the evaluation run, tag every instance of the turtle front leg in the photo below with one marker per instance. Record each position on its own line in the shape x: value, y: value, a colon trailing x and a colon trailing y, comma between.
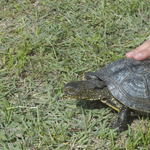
x: 121, y: 120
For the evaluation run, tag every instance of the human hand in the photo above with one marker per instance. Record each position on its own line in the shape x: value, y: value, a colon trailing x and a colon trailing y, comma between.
x: 140, y: 53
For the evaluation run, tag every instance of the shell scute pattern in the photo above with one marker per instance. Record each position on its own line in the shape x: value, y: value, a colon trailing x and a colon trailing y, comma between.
x: 147, y: 76
x: 147, y: 62
x: 137, y: 67
x: 129, y: 82
x: 135, y: 86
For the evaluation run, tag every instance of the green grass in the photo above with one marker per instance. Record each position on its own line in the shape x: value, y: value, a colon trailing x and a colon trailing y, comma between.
x: 45, y: 44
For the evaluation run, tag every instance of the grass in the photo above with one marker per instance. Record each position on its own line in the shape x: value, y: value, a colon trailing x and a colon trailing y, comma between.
x: 45, y: 44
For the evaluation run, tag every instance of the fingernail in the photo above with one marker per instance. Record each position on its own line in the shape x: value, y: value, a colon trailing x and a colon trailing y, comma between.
x: 130, y: 54
x: 138, y: 55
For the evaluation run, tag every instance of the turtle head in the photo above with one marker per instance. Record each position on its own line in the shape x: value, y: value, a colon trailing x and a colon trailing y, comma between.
x: 82, y: 89
x: 74, y: 89
x: 70, y: 88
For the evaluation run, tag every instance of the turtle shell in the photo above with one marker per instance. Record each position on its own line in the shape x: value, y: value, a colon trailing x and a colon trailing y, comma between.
x: 129, y: 82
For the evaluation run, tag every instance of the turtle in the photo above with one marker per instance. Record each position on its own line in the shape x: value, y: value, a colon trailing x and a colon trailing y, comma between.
x: 124, y: 85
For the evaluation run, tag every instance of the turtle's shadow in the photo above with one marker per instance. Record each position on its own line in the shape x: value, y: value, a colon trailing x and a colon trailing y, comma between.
x: 98, y: 105
x: 85, y: 104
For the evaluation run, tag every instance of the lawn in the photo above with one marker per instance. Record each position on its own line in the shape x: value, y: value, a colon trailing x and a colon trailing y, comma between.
x: 45, y: 44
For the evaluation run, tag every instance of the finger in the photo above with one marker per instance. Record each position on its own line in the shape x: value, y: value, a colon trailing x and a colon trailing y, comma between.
x: 142, y: 55
x: 130, y: 54
x: 142, y: 47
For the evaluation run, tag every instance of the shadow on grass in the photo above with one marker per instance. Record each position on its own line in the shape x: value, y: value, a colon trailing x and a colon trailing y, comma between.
x: 133, y: 117
x: 97, y: 104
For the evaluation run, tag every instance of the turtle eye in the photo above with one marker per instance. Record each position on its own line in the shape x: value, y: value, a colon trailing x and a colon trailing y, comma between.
x: 69, y: 90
